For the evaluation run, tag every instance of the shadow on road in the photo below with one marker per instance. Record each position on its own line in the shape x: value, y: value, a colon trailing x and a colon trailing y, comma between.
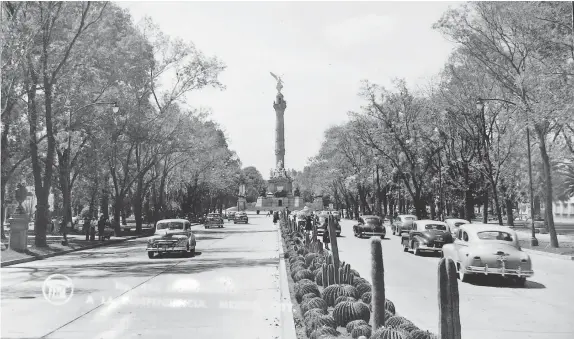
x: 500, y: 282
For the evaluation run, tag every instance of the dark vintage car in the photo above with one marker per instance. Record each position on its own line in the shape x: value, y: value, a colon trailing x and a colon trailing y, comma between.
x: 426, y: 235
x: 402, y: 222
x: 370, y: 225
x: 171, y: 235
x: 213, y: 220
x: 240, y: 217
x: 323, y: 218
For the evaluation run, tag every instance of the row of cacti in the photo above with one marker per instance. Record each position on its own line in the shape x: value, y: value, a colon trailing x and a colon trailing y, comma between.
x: 355, y: 301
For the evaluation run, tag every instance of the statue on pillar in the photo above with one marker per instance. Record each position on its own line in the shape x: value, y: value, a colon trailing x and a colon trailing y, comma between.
x: 279, y: 82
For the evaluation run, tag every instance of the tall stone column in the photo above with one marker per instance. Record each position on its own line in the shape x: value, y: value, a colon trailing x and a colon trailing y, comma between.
x: 280, y: 105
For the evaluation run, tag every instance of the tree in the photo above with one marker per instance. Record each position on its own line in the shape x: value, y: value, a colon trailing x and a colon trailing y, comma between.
x: 254, y: 183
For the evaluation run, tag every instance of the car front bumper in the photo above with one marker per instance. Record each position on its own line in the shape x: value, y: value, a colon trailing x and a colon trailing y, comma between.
x: 500, y: 271
x: 373, y: 234
x: 166, y: 247
x: 434, y: 247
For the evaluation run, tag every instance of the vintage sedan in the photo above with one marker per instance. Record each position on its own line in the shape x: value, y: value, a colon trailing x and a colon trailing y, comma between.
x: 241, y: 217
x: 402, y: 222
x: 481, y: 249
x: 171, y: 235
x: 370, y: 225
x: 213, y: 220
x: 426, y: 236
x: 454, y: 224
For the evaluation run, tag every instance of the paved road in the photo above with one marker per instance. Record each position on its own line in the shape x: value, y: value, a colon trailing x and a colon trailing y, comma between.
x: 230, y: 289
x: 542, y: 310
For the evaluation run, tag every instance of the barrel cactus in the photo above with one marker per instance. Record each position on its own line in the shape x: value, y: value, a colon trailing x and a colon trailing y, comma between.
x: 363, y: 288
x: 367, y: 297
x: 350, y: 310
x: 388, y: 333
x: 351, y: 291
x: 354, y: 323
x: 355, y: 273
x: 313, y: 303
x: 418, y: 334
x: 344, y: 298
x: 308, y: 296
x: 408, y: 327
x: 324, y: 332
x: 396, y: 321
x: 358, y: 280
x: 390, y: 306
x: 313, y: 313
x: 319, y: 277
x: 361, y: 330
x: 303, y: 274
x: 318, y: 322
x: 309, y: 258
x: 306, y: 289
x: 297, y: 258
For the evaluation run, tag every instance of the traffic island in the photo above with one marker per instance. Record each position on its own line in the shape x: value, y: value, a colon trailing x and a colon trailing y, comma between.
x: 331, y: 300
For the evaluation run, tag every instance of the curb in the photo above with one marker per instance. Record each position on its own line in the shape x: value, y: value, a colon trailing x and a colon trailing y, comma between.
x: 551, y: 255
x: 44, y: 256
x: 287, y: 322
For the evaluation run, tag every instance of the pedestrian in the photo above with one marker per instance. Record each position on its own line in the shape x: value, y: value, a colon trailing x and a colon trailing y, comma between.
x: 87, y: 227
x: 326, y: 238
x: 309, y: 224
x: 275, y: 217
x: 101, y: 227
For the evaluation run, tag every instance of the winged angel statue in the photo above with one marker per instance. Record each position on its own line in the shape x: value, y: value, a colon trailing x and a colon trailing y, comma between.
x: 279, y: 82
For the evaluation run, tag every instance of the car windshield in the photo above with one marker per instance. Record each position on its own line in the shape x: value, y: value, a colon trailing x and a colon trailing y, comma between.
x: 438, y: 227
x: 173, y: 225
x: 372, y: 220
x: 213, y: 216
x: 494, y: 235
x: 408, y: 218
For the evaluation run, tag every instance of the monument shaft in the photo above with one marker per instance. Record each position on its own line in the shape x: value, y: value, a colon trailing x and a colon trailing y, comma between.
x: 279, y: 105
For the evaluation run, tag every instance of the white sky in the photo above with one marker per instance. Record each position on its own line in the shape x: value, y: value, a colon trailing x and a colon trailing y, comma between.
x: 322, y: 50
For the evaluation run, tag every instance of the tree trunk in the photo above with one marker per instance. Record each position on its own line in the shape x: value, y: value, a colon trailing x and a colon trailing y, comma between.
x: 137, y: 204
x: 509, y: 212
x: 432, y: 209
x: 485, y: 207
x: 384, y: 198
x: 118, y: 205
x: 549, y: 220
x: 3, y: 211
x: 497, y: 205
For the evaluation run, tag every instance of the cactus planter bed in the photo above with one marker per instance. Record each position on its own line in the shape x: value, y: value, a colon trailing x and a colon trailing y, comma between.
x: 333, y: 301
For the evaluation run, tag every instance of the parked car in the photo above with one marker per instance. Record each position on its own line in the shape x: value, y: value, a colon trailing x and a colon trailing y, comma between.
x: 370, y: 225
x: 337, y: 215
x: 231, y: 215
x: 323, y: 218
x: 454, y: 224
x: 482, y: 249
x: 402, y: 222
x: 172, y: 235
x: 213, y: 220
x: 426, y: 235
x: 241, y: 217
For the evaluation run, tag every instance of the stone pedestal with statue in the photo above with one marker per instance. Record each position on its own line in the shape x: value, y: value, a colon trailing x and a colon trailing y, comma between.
x: 241, y: 200
x: 19, y: 222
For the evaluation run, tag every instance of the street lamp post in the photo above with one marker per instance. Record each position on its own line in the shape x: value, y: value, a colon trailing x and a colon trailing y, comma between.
x: 441, y: 201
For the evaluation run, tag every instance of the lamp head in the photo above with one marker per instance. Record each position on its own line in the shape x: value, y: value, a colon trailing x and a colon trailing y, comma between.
x: 479, y: 104
x: 115, y: 107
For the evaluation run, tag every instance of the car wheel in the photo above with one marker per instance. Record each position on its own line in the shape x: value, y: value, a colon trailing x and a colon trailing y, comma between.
x: 150, y: 255
x: 416, y: 250
x: 405, y: 248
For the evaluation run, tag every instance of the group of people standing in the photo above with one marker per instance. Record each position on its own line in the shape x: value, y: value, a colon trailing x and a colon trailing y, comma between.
x: 311, y: 221
x: 90, y: 230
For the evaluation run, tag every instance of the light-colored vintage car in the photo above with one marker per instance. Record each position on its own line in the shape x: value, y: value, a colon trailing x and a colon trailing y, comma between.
x: 172, y: 235
x: 481, y: 249
x: 402, y: 222
x: 214, y: 220
x: 454, y: 224
x: 426, y: 236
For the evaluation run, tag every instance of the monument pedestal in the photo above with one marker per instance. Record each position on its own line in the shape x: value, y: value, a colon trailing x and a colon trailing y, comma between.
x: 241, y: 204
x: 19, y: 231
